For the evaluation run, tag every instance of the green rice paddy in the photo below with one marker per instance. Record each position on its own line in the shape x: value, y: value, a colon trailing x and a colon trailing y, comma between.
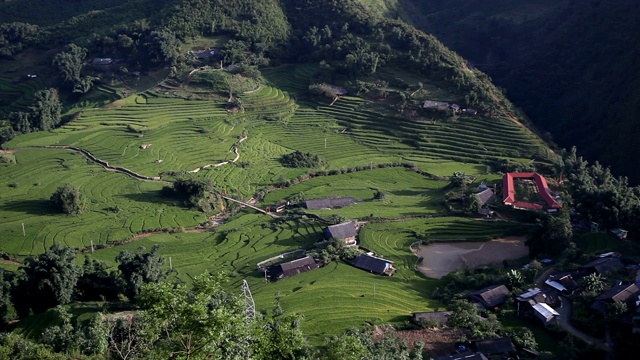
x: 151, y: 133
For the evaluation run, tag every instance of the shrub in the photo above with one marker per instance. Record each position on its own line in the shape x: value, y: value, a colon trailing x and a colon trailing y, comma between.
x: 68, y: 199
x: 299, y: 159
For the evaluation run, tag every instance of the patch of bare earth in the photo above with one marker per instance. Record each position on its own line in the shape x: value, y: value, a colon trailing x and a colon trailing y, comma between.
x: 439, y: 259
x: 436, y: 341
x: 3, y: 152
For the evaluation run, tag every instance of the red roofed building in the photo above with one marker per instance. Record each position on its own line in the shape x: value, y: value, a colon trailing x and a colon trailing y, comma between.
x: 509, y: 191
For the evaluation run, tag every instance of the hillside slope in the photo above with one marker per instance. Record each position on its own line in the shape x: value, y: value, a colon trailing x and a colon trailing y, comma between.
x: 571, y: 65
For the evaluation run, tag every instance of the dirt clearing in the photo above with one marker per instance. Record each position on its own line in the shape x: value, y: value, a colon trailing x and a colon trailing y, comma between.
x: 442, y: 258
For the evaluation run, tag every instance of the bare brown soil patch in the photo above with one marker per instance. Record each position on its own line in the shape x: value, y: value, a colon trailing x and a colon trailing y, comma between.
x: 442, y: 258
x: 436, y: 341
x: 7, y: 151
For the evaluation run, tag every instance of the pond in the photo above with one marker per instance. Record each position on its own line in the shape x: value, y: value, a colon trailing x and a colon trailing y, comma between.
x: 439, y: 259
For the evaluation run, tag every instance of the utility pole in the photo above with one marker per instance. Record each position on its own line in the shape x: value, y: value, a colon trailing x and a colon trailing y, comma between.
x: 91, y: 246
x: 325, y: 143
x: 374, y: 289
x: 170, y: 263
x: 23, y: 232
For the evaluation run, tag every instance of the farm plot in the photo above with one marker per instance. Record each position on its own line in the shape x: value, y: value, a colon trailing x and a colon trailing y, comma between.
x: 117, y: 205
x: 393, y: 239
x: 406, y: 193
x: 342, y: 296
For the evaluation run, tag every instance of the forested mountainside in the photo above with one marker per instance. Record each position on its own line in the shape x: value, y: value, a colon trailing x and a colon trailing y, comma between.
x: 255, y: 178
x: 571, y: 65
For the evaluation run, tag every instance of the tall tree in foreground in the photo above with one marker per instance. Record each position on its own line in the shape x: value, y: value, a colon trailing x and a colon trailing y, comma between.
x: 46, y: 281
x: 138, y: 269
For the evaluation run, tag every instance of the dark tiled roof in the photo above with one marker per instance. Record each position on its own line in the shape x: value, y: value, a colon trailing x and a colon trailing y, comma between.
x: 620, y: 293
x: 485, y: 196
x: 371, y: 263
x: 604, y: 265
x: 342, y: 231
x: 332, y: 203
x: 462, y: 356
x: 439, y: 316
x: 291, y: 268
x: 491, y: 296
x: 495, y: 346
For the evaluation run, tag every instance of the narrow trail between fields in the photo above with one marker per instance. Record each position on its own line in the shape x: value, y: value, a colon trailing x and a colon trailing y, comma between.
x: 235, y: 150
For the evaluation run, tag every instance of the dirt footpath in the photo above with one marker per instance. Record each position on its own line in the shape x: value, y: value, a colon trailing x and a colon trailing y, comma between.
x: 442, y: 258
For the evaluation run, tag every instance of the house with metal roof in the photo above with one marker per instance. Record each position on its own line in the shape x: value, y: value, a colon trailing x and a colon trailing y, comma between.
x: 545, y: 313
x: 603, y: 266
x: 498, y: 346
x: 374, y: 264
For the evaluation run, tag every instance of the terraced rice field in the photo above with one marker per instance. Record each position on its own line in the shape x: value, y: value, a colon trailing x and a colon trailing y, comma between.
x: 342, y: 296
x: 280, y: 117
x: 27, y: 185
x: 406, y: 193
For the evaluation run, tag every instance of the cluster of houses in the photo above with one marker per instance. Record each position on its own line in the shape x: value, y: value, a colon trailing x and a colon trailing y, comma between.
x: 346, y: 232
x: 484, y: 349
x: 445, y: 106
x: 545, y: 303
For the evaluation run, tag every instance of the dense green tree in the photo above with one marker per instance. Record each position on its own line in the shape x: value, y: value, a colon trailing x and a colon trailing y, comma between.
x: 204, y: 321
x: 70, y: 64
x: 68, y: 199
x: 345, y: 347
x: 46, y: 110
x: 466, y: 316
x: 46, y: 281
x: 14, y: 346
x: 299, y: 159
x: 15, y: 36
x: 97, y: 282
x: 551, y: 236
x: 6, y: 285
x: 20, y: 121
x: 195, y: 192
x: 138, y: 269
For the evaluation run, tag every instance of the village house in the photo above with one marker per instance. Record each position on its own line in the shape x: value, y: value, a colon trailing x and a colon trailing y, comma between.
x: 620, y: 233
x: 492, y: 347
x: 430, y: 317
x: 603, y: 266
x: 535, y: 296
x: 331, y: 203
x: 464, y: 355
x: 345, y: 232
x: 564, y: 282
x: 291, y: 268
x: 490, y: 297
x: 545, y: 313
x: 623, y: 293
x: 374, y: 264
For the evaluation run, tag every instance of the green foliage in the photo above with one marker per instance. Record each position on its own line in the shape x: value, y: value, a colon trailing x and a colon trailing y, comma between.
x: 138, y: 269
x: 13, y: 346
x: 68, y: 199
x: 70, y: 64
x: 6, y: 286
x: 15, y: 36
x: 46, y: 281
x: 46, y: 110
x: 97, y: 282
x: 465, y: 315
x: 196, y: 192
x: 299, y: 159
x: 551, y: 236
